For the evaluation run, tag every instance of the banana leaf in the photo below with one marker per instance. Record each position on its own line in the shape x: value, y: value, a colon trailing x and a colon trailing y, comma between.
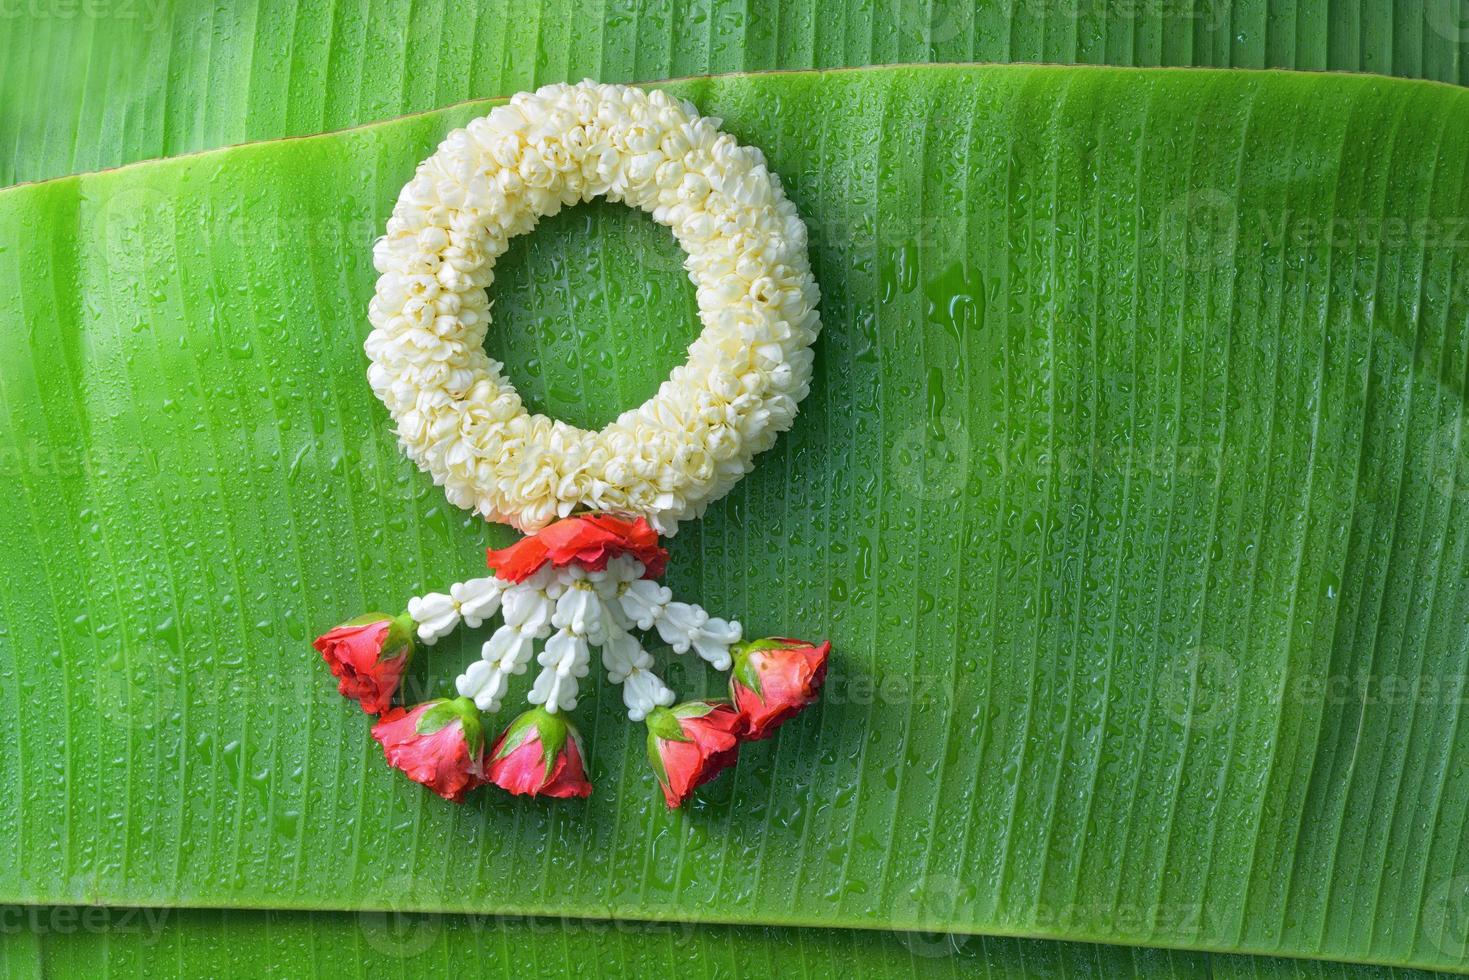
x: 1131, y: 492
x: 66, y: 941
x: 96, y: 83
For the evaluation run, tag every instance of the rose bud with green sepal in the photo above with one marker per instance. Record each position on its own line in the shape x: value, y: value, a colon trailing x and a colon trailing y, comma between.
x: 368, y: 656
x: 774, y: 679
x: 440, y: 744
x: 539, y: 754
x: 691, y: 743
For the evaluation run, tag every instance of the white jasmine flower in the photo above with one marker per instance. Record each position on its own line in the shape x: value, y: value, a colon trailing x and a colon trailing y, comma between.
x: 643, y: 691
x: 580, y: 610
x: 622, y: 654
x: 505, y: 654
x: 478, y: 599
x: 436, y: 614
x: 529, y: 605
x: 510, y: 647
x: 564, y: 660
x: 485, y: 683
x: 684, y: 626
x: 643, y: 602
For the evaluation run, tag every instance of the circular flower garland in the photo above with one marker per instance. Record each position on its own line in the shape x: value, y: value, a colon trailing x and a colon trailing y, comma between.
x: 461, y: 420
x: 585, y: 580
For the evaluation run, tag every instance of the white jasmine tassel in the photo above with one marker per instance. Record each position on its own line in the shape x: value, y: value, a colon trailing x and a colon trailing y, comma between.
x: 713, y: 640
x: 622, y: 654
x: 565, y: 659
x: 505, y: 653
x: 436, y: 614
x: 486, y: 683
x: 644, y: 601
x: 684, y: 626
x: 643, y: 691
x: 580, y: 609
x: 530, y: 605
x: 611, y: 581
x: 628, y: 664
x: 478, y: 599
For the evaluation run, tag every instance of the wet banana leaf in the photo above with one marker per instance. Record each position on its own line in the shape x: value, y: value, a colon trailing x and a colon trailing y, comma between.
x: 1131, y: 491
x: 98, y: 83
x: 135, y: 942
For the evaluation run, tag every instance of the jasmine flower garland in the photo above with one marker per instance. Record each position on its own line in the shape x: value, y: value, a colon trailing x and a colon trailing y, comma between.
x: 462, y: 421
x: 591, y: 503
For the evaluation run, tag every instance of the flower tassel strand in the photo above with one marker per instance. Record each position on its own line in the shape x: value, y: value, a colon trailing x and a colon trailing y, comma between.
x: 581, y: 585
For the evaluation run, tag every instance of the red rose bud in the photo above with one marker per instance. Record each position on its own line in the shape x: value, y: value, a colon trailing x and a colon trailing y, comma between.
x: 368, y: 656
x: 539, y: 754
x: 589, y: 541
x: 691, y: 743
x: 440, y: 744
x: 774, y: 679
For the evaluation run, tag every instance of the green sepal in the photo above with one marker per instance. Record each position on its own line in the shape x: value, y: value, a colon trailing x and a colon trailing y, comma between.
x: 401, y: 630
x: 662, y: 725
x: 551, y: 729
x: 445, y: 712
x: 744, y: 671
x: 698, y: 709
x: 769, y: 643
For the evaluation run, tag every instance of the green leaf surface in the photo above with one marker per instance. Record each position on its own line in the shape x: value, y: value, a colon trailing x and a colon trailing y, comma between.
x: 1131, y: 492
x: 96, y: 83
x: 44, y: 941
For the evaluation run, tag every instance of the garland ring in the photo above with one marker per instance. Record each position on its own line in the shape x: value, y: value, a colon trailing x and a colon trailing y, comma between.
x: 461, y: 420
